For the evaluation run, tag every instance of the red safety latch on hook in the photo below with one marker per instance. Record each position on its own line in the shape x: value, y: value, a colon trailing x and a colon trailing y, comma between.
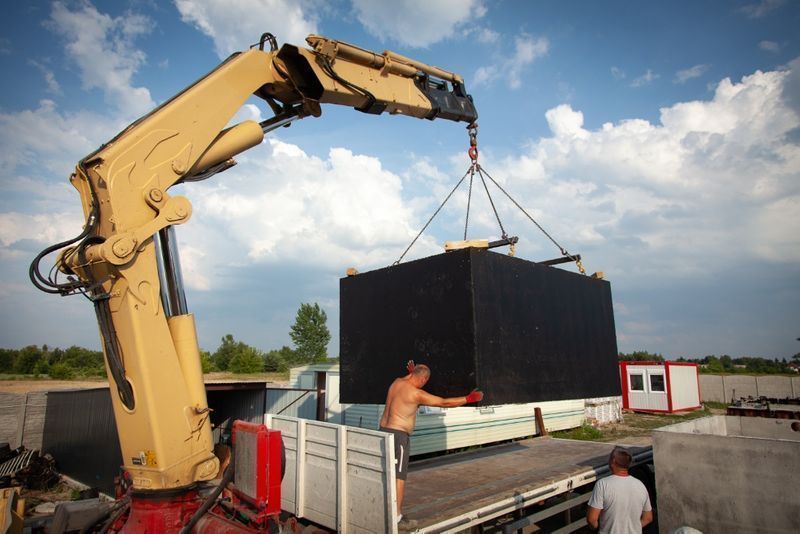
x: 472, y: 129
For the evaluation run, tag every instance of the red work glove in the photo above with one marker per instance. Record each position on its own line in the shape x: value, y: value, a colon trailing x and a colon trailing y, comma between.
x: 410, y: 366
x: 475, y: 396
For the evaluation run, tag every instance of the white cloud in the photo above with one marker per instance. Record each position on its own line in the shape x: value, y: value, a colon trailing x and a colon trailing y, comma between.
x: 234, y: 26
x: 50, y: 139
x: 712, y: 180
x: 527, y: 49
x: 418, y: 23
x: 340, y: 211
x: 103, y: 48
x: 645, y: 79
x: 760, y: 9
x: 769, y: 46
x: 482, y: 34
x: 43, y: 228
x: 50, y: 81
x: 682, y: 76
x: 617, y: 73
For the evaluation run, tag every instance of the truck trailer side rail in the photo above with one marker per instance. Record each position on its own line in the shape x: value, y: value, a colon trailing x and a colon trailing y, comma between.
x: 339, y: 477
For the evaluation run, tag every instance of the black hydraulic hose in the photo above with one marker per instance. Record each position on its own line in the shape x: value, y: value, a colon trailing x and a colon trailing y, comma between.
x: 212, y: 498
x: 126, y: 504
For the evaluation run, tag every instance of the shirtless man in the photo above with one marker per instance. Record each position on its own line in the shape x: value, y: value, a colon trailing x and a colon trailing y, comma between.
x: 404, y: 398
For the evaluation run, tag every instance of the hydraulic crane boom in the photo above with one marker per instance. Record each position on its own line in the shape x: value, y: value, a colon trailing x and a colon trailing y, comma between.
x: 124, y: 260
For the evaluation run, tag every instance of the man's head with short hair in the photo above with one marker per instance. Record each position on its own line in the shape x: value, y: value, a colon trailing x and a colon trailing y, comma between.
x: 620, y: 458
x: 421, y: 374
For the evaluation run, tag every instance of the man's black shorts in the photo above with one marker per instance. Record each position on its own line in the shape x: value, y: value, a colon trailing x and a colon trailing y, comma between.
x: 401, y: 446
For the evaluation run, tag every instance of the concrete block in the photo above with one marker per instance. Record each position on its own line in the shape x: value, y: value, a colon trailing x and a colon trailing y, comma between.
x: 711, y: 389
x: 744, y: 483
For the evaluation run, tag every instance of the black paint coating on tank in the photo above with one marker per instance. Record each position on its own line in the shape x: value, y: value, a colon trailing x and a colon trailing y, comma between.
x: 520, y: 331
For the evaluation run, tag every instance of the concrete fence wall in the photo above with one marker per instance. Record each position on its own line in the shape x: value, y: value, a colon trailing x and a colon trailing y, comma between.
x: 22, y: 418
x: 724, y: 388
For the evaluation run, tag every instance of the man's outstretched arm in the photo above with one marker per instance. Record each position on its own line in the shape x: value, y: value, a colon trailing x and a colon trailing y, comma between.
x: 426, y: 399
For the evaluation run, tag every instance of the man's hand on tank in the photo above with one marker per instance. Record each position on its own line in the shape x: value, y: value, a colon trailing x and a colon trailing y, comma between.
x: 475, y: 396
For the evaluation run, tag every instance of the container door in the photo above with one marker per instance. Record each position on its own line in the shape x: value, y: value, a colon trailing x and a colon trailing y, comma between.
x: 657, y: 389
x: 637, y: 394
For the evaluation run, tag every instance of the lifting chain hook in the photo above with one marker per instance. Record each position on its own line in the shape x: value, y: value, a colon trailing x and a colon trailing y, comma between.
x: 472, y: 130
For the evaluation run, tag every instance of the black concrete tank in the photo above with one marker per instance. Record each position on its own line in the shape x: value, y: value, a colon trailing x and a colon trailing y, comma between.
x: 520, y: 331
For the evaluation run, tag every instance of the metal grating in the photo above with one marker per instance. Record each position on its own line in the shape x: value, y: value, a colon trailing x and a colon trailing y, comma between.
x: 246, y: 451
x: 21, y: 461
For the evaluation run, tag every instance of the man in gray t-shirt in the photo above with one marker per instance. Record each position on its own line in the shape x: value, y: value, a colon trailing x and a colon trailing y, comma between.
x: 619, y: 503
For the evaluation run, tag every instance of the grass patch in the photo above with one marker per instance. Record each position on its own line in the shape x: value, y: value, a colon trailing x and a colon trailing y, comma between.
x: 712, y: 405
x: 634, y: 425
x: 584, y: 432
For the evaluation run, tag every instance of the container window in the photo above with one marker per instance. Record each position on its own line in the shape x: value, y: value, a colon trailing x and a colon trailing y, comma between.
x: 637, y: 382
x: 657, y: 382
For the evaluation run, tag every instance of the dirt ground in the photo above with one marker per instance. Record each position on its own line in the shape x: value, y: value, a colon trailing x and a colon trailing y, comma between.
x: 25, y: 386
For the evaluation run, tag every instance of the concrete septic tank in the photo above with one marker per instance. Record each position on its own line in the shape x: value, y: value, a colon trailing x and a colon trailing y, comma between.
x: 520, y: 331
x: 728, y: 474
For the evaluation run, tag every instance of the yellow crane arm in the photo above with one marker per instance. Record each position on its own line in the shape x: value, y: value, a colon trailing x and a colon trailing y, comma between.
x: 125, y: 259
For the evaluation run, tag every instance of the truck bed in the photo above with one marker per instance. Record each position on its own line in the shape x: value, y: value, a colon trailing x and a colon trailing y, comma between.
x: 455, y: 491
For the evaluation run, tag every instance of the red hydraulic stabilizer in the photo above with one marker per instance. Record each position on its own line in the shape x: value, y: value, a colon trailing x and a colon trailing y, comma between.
x: 257, y: 459
x: 250, y: 494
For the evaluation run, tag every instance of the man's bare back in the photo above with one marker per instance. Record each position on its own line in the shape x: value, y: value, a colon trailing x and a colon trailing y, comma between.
x: 401, y: 405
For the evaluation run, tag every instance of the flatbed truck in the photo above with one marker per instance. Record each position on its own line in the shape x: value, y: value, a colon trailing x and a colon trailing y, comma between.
x: 342, y: 478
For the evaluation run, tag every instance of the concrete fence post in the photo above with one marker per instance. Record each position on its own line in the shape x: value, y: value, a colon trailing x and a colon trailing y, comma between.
x: 724, y: 398
x: 21, y: 421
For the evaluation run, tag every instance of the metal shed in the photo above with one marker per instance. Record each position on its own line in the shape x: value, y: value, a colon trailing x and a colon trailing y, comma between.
x: 662, y: 387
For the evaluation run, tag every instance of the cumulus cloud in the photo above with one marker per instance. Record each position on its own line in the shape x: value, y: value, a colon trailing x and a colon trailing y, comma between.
x: 103, y: 49
x: 645, y: 79
x: 482, y: 34
x: 51, y: 84
x: 418, y: 24
x: 760, y: 9
x: 682, y: 76
x: 345, y: 209
x: 234, y: 26
x: 42, y: 228
x: 769, y: 46
x: 714, y: 176
x: 50, y: 139
x: 527, y: 49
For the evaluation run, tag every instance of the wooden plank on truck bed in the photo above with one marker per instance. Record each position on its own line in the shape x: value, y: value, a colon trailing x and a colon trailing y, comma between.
x: 455, y: 491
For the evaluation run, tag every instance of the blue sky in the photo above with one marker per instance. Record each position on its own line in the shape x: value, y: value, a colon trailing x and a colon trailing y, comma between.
x: 660, y: 141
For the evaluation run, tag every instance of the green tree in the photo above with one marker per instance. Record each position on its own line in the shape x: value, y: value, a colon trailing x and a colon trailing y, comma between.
x: 7, y: 357
x: 310, y: 333
x: 640, y: 356
x: 246, y: 360
x: 713, y: 365
x: 206, y: 362
x: 223, y: 355
x: 26, y: 360
x: 279, y: 360
x: 61, y: 371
